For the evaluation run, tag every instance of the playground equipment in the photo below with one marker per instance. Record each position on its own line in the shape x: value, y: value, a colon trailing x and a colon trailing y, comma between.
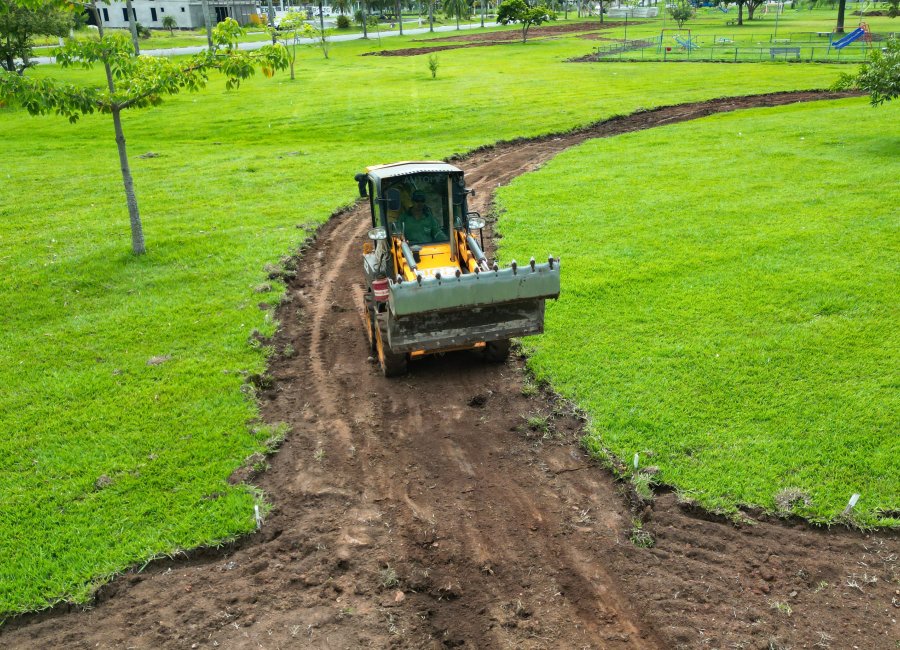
x: 662, y: 35
x: 856, y: 34
x: 689, y: 44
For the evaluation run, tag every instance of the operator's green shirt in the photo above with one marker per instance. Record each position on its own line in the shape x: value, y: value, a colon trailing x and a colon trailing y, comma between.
x: 421, y: 231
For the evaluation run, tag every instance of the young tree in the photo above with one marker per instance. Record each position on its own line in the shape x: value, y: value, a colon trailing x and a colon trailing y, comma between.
x: 880, y: 76
x: 519, y: 11
x: 19, y: 25
x: 343, y: 6
x: 681, y: 12
x: 292, y: 29
x: 170, y: 23
x: 135, y: 82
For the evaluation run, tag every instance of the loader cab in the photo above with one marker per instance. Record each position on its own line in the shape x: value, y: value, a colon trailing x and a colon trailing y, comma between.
x: 421, y: 207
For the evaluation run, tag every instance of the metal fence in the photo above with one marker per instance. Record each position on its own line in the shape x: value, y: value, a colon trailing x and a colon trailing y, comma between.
x: 805, y: 47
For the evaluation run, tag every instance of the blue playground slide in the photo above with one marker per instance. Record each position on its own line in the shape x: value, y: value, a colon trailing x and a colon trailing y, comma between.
x: 688, y: 44
x: 849, y: 38
x: 724, y: 10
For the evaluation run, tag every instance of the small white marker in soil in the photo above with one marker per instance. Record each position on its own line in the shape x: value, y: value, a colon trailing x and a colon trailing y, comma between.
x: 258, y: 518
x: 636, y: 459
x: 851, y: 503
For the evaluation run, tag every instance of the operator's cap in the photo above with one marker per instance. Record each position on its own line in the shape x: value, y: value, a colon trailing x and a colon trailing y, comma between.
x: 418, y: 195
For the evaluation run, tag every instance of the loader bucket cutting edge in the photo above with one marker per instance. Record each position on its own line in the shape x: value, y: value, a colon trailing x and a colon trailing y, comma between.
x: 491, y: 306
x: 475, y: 289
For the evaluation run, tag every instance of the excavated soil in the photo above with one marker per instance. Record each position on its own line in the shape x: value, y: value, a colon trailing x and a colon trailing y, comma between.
x: 458, y: 41
x: 533, y: 32
x: 424, y: 512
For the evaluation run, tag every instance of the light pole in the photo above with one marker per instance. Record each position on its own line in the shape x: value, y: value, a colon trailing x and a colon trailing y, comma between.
x: 777, y: 14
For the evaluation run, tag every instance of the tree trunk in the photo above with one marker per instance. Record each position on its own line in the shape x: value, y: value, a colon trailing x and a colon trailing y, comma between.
x: 842, y: 6
x: 457, y: 19
x: 482, y: 13
x: 204, y: 7
x: 399, y: 11
x: 132, y: 25
x: 134, y: 215
x: 430, y: 15
x: 740, y: 13
x: 321, y: 31
x: 365, y: 18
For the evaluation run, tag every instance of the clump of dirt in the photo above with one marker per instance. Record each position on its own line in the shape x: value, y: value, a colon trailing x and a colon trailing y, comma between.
x: 404, y: 517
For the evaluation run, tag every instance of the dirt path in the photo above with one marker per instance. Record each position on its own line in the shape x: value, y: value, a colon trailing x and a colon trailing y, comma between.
x: 424, y: 513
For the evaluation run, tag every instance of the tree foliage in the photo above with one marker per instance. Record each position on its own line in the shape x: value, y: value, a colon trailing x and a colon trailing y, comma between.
x: 681, y: 12
x: 19, y: 25
x: 880, y: 77
x: 519, y: 11
x: 893, y: 8
x: 292, y: 28
x: 139, y: 81
x: 170, y: 23
x: 456, y: 8
x: 135, y: 82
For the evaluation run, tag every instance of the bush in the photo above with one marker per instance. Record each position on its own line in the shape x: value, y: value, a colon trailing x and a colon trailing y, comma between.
x: 142, y: 31
x: 343, y: 22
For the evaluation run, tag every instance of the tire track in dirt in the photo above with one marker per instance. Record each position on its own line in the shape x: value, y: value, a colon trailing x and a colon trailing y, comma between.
x: 423, y: 512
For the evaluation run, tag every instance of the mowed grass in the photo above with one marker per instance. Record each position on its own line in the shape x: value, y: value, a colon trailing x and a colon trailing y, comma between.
x: 106, y: 461
x: 729, y: 305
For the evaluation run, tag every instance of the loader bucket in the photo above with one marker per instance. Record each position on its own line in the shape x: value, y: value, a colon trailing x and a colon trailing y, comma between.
x: 433, y: 313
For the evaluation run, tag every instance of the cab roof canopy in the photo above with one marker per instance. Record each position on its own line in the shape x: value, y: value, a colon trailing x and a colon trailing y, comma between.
x: 408, y: 168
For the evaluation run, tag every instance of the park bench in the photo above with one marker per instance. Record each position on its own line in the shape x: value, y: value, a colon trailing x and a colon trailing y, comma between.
x: 784, y: 51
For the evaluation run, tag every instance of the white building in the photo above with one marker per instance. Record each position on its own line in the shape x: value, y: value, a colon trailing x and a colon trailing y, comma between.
x: 188, y: 14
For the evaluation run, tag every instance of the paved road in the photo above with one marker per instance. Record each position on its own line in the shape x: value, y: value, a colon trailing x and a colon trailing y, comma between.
x: 255, y: 45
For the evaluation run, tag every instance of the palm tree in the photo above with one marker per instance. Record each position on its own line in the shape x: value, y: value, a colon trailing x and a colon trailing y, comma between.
x: 170, y: 23
x: 456, y: 8
x: 343, y: 6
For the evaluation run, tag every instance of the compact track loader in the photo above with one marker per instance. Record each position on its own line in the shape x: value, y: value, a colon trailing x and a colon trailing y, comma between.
x: 429, y: 286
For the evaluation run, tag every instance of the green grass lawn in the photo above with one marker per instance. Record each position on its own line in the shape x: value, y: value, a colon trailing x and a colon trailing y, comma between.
x: 108, y: 461
x: 729, y: 305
